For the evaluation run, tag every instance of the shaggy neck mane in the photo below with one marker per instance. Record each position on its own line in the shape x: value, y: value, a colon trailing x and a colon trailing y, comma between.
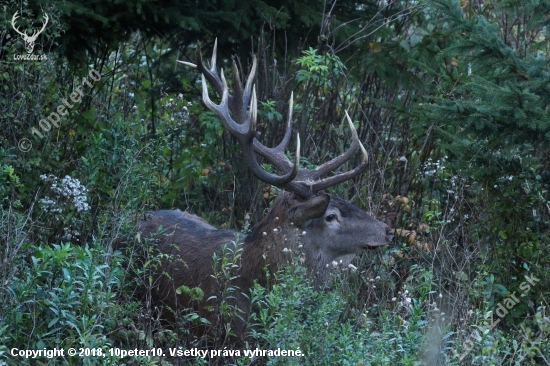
x: 267, y: 240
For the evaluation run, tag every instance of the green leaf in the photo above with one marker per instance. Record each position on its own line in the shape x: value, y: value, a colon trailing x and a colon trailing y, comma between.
x: 53, y: 322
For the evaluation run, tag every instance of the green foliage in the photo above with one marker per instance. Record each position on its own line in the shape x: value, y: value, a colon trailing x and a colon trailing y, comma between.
x: 496, y: 94
x: 268, y: 111
x: 65, y: 298
x: 317, y: 68
x: 8, y: 181
x: 293, y: 315
x: 484, y: 344
x: 225, y: 265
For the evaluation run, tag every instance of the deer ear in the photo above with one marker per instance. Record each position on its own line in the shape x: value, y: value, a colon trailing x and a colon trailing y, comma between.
x: 311, y: 209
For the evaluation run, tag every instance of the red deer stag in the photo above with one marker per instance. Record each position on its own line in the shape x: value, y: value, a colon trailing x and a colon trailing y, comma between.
x: 321, y: 227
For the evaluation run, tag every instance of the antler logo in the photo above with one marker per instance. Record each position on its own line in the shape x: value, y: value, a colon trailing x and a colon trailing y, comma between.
x: 29, y: 40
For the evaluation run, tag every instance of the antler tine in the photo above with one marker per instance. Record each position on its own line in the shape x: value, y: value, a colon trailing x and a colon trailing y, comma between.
x: 214, y: 56
x: 253, y: 113
x: 238, y: 109
x: 335, y: 163
x: 286, y: 138
x: 250, y: 80
x: 365, y: 157
x: 338, y: 161
x: 190, y: 64
x: 240, y: 100
x: 210, y: 74
x: 281, y: 162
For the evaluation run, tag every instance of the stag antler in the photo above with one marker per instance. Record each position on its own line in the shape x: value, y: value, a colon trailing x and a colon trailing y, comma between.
x: 233, y: 107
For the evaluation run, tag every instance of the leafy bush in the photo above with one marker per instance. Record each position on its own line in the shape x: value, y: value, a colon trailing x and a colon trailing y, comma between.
x: 327, y: 328
x: 66, y: 297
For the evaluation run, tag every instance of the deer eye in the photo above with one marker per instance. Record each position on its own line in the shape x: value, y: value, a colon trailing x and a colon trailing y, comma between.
x: 330, y: 217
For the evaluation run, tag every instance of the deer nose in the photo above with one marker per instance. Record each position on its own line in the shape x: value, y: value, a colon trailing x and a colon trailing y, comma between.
x: 389, y: 234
